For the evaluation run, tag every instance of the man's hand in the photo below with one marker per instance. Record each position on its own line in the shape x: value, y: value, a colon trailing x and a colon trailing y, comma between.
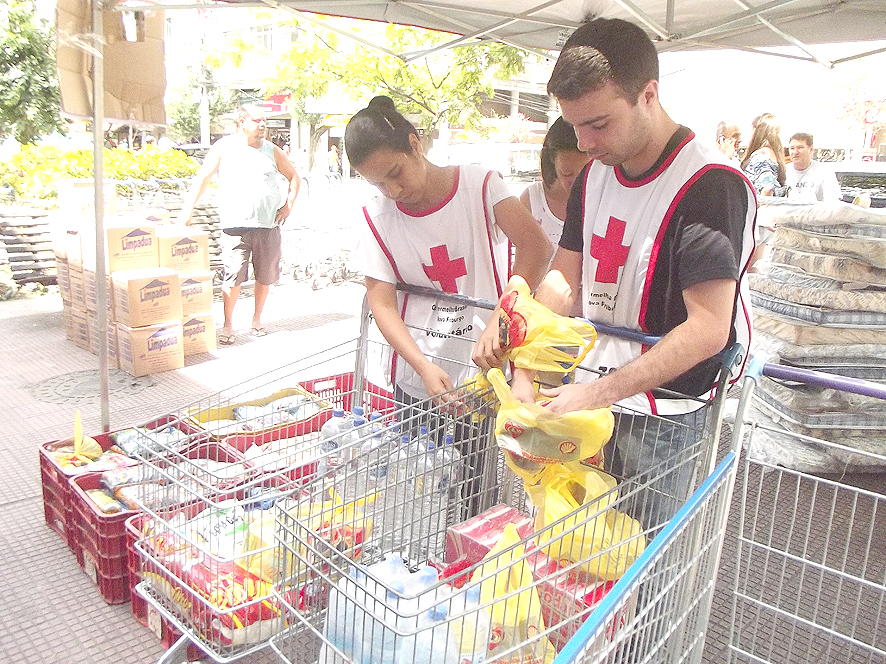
x: 282, y: 214
x: 522, y: 386
x: 577, y: 396
x: 488, y: 352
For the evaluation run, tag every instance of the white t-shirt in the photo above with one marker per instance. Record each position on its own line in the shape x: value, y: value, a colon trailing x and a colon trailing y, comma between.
x: 456, y: 248
x: 538, y: 205
x: 815, y: 183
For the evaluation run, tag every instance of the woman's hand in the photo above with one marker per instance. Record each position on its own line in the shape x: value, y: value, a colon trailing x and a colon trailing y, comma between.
x: 436, y: 382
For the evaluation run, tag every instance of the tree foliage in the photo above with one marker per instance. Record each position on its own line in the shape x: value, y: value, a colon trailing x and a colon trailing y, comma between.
x: 446, y: 87
x: 29, y: 95
x: 184, y: 108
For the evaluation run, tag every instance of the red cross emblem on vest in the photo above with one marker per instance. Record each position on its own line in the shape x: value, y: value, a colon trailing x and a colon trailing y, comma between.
x: 609, y: 252
x: 443, y: 270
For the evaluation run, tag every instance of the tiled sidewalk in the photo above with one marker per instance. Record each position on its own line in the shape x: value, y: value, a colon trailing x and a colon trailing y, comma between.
x: 53, y: 611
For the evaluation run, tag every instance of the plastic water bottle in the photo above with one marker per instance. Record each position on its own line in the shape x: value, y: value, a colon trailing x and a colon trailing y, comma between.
x: 329, y: 441
x: 470, y: 625
x: 379, y: 641
x: 434, y: 641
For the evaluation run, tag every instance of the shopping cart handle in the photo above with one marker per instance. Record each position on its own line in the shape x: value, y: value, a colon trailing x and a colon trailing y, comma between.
x: 853, y: 385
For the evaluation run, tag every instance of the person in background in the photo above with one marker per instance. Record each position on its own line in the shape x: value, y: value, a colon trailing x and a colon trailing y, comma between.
x: 446, y: 228
x: 808, y: 179
x: 257, y: 186
x: 658, y: 234
x: 561, y: 162
x: 764, y: 162
x: 728, y: 139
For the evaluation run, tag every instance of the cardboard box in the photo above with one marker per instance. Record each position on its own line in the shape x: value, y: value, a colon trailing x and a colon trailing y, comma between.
x: 77, y: 197
x: 90, y: 295
x: 145, y: 297
x: 198, y: 331
x: 183, y: 248
x: 77, y: 288
x: 110, y: 331
x: 130, y: 246
x: 196, y: 291
x: 77, y: 327
x: 63, y: 278
x: 150, y: 349
x: 73, y: 241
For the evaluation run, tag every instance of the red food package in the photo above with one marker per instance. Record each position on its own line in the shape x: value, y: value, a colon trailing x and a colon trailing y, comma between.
x: 564, y: 597
x: 469, y: 542
x: 238, y: 607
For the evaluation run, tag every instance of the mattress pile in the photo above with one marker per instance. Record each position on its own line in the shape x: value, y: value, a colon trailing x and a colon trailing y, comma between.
x: 820, y: 304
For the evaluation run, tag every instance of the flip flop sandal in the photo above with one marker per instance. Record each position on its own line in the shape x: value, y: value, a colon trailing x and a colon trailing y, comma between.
x: 259, y: 332
x: 226, y: 339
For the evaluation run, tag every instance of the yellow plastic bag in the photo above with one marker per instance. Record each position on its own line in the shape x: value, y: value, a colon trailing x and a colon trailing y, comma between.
x: 605, y: 540
x: 537, y: 436
x: 516, y: 615
x: 342, y: 525
x: 537, y: 338
x: 86, y: 449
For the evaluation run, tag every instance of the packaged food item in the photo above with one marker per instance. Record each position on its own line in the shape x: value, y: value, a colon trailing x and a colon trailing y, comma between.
x: 469, y: 542
x: 152, y: 495
x: 111, y: 479
x: 104, y: 501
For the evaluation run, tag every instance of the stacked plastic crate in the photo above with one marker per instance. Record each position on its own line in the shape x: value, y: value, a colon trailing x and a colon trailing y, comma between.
x: 820, y: 304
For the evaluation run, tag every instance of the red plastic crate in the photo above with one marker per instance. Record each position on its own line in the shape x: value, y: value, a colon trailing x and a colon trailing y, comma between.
x: 102, y: 536
x: 58, y: 504
x: 114, y: 589
x: 143, y: 611
x: 339, y: 390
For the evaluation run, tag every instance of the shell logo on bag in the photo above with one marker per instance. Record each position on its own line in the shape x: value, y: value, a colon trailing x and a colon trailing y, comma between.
x: 567, y: 447
x: 495, y: 637
x: 513, y: 428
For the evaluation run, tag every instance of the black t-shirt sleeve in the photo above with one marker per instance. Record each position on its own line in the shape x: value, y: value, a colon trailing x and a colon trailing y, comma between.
x: 572, y: 237
x: 710, y: 221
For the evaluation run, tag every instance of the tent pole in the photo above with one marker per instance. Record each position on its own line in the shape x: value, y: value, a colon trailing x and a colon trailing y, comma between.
x: 98, y: 144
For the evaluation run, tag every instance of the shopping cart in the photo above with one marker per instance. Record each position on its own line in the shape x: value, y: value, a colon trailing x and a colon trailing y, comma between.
x: 258, y: 530
x: 366, y: 601
x: 810, y: 580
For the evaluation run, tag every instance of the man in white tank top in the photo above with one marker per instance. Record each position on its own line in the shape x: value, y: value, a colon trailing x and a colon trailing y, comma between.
x: 658, y: 234
x: 257, y: 189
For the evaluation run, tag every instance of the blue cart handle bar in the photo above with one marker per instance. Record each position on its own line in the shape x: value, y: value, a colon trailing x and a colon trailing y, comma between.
x: 730, y: 357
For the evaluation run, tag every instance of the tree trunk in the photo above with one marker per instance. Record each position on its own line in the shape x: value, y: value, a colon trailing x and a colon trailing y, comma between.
x: 316, y: 132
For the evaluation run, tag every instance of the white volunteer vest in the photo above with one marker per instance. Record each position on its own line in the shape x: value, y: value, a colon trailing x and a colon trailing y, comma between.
x: 455, y: 248
x: 624, y: 225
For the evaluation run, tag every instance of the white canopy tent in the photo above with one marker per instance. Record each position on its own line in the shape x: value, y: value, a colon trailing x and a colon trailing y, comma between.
x: 673, y: 24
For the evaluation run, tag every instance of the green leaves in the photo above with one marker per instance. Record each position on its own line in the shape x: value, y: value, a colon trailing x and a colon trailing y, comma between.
x: 29, y: 97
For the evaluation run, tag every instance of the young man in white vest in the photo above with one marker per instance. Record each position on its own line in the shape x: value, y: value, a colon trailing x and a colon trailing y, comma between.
x: 810, y: 181
x: 658, y: 236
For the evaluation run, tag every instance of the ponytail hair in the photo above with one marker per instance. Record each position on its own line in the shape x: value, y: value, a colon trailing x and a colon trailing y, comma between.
x: 378, y: 126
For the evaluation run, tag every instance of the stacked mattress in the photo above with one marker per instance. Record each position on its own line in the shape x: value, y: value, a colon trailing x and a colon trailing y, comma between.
x: 820, y: 304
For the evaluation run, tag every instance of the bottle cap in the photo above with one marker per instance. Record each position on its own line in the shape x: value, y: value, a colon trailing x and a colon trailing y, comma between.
x: 359, y: 422
x: 450, y: 439
x: 375, y: 416
x: 358, y: 411
x: 338, y: 412
x: 404, y: 439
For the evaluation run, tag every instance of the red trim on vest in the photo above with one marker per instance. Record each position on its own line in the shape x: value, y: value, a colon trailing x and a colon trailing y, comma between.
x: 441, y: 205
x: 656, y: 245
x: 624, y: 181
x: 382, y: 245
x: 495, y: 276
x: 653, y: 405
